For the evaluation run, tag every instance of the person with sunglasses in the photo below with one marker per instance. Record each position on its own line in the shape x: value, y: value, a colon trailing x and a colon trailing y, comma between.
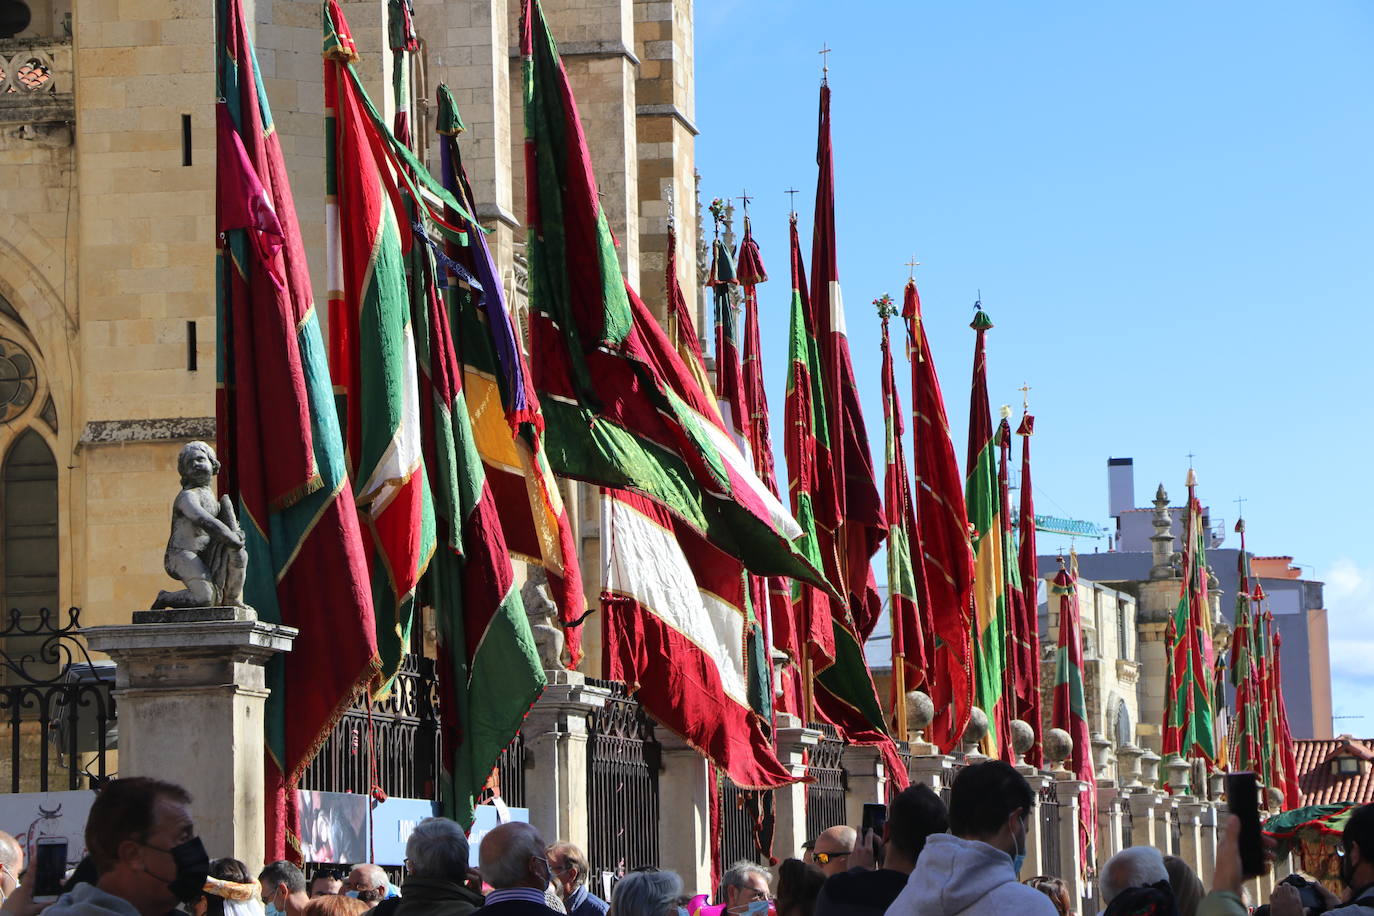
x: 833, y: 848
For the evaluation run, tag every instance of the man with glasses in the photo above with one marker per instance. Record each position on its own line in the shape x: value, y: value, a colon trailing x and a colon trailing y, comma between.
x: 742, y: 884
x: 833, y: 848
x: 368, y: 883
x: 569, y: 866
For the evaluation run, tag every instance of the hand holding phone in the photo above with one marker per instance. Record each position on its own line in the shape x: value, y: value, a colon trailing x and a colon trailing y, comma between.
x: 1242, y: 800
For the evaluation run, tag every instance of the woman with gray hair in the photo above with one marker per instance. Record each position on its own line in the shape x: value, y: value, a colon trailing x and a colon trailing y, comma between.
x: 646, y: 893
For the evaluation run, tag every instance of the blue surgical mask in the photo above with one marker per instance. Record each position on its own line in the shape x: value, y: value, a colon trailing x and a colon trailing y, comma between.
x: 1019, y: 858
x: 353, y: 894
x: 271, y: 909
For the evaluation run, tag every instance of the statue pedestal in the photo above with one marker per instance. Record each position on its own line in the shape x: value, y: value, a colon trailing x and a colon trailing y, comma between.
x: 555, y: 733
x: 789, y: 801
x: 190, y: 687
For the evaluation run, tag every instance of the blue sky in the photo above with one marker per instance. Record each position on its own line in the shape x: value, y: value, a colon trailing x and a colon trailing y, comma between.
x: 1167, y: 208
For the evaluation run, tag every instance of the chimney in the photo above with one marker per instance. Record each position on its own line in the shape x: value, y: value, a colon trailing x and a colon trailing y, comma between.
x: 1120, y: 485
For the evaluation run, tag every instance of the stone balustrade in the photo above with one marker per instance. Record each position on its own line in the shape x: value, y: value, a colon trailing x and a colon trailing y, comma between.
x: 36, y: 82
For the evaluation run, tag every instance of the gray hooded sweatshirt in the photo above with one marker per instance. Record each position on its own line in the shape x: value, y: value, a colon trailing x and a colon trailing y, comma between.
x: 956, y: 876
x: 89, y: 900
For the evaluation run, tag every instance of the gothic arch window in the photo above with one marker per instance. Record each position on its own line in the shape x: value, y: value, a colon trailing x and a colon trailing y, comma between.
x: 29, y: 549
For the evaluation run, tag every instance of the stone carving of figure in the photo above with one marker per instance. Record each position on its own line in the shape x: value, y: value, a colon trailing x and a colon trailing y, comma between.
x: 205, y: 550
x: 543, y: 615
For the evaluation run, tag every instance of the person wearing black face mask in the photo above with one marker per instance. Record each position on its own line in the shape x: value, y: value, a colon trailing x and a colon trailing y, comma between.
x: 143, y: 842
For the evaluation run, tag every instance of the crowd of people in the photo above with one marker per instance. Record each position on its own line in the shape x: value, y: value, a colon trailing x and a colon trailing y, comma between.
x: 145, y: 859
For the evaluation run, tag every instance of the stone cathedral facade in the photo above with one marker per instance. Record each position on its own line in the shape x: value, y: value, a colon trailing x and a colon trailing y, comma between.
x: 107, y: 249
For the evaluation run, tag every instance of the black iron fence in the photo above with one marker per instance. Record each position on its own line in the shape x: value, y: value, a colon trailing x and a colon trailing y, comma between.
x: 623, y: 765
x: 400, y: 733
x: 825, y: 796
x: 1049, y: 829
x: 1123, y: 807
x: 746, y: 826
x: 55, y: 703
x: 1175, y: 833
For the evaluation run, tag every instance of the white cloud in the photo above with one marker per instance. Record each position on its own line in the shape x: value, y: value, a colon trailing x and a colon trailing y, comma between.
x: 1349, y: 599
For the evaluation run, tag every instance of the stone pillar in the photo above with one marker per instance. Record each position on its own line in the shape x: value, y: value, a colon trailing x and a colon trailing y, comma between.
x: 1165, y: 813
x: 684, y: 795
x: 1108, y: 822
x: 789, y: 802
x: 1035, y: 860
x: 1190, y: 831
x: 191, y: 687
x: 1070, y: 866
x: 866, y: 777
x: 1207, y: 848
x: 935, y: 770
x: 555, y: 733
x: 1145, y: 819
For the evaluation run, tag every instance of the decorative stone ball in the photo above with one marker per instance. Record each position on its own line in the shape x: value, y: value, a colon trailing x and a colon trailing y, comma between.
x: 1273, y: 798
x: 977, y: 727
x: 920, y: 711
x: 1058, y: 745
x: 1022, y: 736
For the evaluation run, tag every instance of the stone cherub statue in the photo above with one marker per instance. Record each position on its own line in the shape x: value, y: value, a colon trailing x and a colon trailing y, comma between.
x: 543, y: 615
x: 206, y: 547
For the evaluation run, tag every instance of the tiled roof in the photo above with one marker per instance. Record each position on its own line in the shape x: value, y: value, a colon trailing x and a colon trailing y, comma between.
x: 1322, y: 787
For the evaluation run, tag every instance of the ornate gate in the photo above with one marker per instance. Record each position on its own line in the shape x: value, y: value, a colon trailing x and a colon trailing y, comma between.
x: 55, y: 704
x: 402, y: 731
x: 623, y: 763
x: 825, y: 797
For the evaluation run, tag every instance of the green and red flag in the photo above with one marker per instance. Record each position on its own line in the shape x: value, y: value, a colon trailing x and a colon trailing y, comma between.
x: 625, y: 412
x: 506, y: 416
x: 1189, y: 717
x: 279, y: 441
x: 1028, y: 629
x: 991, y: 627
x: 734, y: 412
x: 772, y: 597
x: 806, y: 448
x: 372, y: 352
x: 861, y: 527
x: 622, y: 409
x: 1070, y: 710
x: 1286, y: 763
x: 906, y: 598
x: 682, y: 330
x: 489, y: 671
x: 845, y: 694
x: 941, y: 548
x: 1247, y: 751
x: 1014, y: 676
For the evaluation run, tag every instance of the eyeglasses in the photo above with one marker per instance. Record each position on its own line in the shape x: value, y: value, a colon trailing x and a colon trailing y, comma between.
x: 824, y: 858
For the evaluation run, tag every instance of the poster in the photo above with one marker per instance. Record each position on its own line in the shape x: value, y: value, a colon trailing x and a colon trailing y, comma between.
x: 333, y: 826
x: 392, y: 822
x: 26, y: 816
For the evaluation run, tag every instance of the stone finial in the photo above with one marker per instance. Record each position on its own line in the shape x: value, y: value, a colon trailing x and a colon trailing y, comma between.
x: 1022, y: 739
x: 920, y: 712
x: 974, y: 732
x: 1179, y: 770
x: 1058, y: 748
x: 1101, y: 750
x: 1273, y: 798
x: 1128, y: 765
x: 543, y: 615
x: 206, y: 547
x: 1162, y: 541
x: 1149, y: 769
